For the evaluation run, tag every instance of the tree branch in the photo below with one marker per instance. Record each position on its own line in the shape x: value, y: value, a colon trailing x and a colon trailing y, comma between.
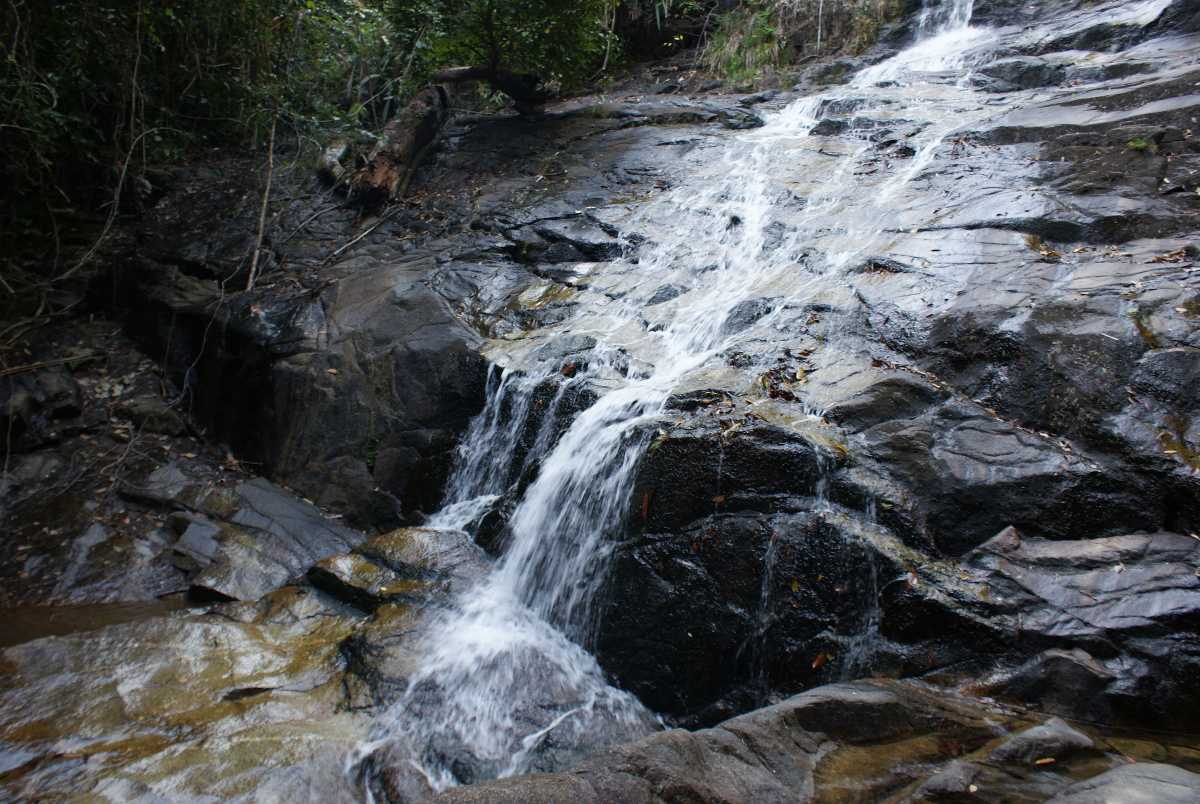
x: 262, y: 213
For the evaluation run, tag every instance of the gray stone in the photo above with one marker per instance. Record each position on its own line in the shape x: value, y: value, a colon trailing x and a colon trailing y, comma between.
x: 665, y: 294
x: 1024, y: 73
x: 1143, y: 782
x: 952, y: 783
x: 199, y: 542
x: 1053, y: 739
x: 246, y: 540
x: 152, y: 415
x: 746, y: 313
x: 274, y: 537
x: 1065, y: 682
x: 411, y: 565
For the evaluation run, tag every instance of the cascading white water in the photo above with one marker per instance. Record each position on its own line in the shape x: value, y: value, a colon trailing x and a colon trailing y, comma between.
x: 942, y: 17
x: 503, y: 671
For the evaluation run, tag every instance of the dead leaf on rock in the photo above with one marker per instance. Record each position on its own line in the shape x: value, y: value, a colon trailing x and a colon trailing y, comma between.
x: 1179, y: 255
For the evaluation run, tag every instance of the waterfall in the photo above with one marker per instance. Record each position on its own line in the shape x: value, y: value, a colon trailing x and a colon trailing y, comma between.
x: 504, y: 675
x: 942, y: 16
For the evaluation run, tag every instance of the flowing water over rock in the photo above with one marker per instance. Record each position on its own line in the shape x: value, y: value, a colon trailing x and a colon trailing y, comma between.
x: 895, y: 378
x: 505, y: 684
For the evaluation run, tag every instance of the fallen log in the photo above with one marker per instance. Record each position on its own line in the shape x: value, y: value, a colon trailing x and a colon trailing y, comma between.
x: 409, y: 136
x: 330, y: 164
x: 405, y: 142
x: 525, y: 89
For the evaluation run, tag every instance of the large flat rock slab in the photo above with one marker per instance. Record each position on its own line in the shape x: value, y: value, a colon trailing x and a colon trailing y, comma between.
x: 876, y: 740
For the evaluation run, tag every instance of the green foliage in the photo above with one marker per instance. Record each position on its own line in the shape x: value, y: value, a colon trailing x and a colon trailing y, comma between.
x: 1142, y: 144
x: 561, y: 41
x: 94, y: 93
x: 745, y: 43
x: 665, y: 9
x: 91, y: 91
x: 759, y: 36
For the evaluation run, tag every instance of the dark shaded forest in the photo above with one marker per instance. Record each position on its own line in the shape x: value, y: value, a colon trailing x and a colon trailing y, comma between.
x: 96, y: 96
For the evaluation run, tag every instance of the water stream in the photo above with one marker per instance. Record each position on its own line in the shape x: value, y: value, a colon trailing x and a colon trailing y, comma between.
x: 505, y: 683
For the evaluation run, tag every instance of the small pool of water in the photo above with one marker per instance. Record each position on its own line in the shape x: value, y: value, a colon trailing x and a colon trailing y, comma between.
x: 20, y: 624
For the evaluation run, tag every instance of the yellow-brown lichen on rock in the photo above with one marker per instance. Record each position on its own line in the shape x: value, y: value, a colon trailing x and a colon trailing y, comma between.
x: 231, y: 703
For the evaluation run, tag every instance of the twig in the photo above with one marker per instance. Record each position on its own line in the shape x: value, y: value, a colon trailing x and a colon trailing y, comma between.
x: 7, y: 457
x: 25, y: 325
x: 116, y: 466
x: 262, y: 213
x: 8, y: 372
x: 185, y: 388
x: 309, y: 220
x: 608, y: 40
x: 133, y: 84
x: 820, y: 18
x: 373, y: 227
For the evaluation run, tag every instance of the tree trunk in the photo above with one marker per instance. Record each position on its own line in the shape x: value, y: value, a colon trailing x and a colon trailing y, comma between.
x: 524, y: 88
x: 406, y: 140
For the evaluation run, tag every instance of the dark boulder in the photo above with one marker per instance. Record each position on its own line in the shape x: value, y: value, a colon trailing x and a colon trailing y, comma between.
x: 34, y: 405
x: 1053, y: 739
x: 1065, y: 682
x: 744, y: 573
x: 1106, y: 621
x: 1024, y: 72
x: 733, y: 608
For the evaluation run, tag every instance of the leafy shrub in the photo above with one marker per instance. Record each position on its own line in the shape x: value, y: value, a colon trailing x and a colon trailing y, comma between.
x: 759, y: 36
x: 561, y: 41
x: 745, y: 43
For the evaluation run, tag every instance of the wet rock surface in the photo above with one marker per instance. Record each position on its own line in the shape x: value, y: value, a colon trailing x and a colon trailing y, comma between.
x: 868, y: 741
x: 411, y: 565
x: 1002, y: 379
x: 237, y: 700
x: 225, y: 704
x: 363, y: 363
x: 241, y: 541
x: 1158, y: 782
x: 969, y: 457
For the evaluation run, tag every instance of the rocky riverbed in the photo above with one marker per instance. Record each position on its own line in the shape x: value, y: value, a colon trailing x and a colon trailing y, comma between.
x: 946, y: 441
